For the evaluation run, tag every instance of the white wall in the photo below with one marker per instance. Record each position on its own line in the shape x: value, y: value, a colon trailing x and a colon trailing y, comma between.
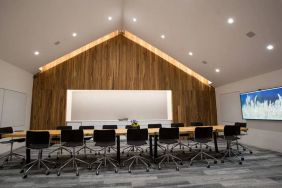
x: 17, y: 79
x: 263, y: 134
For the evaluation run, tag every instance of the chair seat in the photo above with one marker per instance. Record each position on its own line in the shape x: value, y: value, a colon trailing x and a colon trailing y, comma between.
x: 137, y: 143
x: 38, y: 146
x: 72, y: 144
x: 105, y: 144
x: 168, y: 141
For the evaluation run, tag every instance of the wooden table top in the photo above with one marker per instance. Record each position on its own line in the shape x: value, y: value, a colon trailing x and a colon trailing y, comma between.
x: 120, y: 131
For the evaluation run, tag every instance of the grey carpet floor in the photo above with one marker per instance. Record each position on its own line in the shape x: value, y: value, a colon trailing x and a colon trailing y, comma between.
x: 263, y: 168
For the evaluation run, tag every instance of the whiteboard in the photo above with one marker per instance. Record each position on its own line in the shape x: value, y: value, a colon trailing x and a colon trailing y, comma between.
x: 92, y: 105
x: 13, y: 111
x: 230, y: 107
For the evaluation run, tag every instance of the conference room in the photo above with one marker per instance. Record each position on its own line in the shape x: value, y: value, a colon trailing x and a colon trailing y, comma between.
x: 139, y: 93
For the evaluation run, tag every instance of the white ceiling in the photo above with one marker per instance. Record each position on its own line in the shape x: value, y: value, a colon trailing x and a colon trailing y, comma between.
x: 189, y: 25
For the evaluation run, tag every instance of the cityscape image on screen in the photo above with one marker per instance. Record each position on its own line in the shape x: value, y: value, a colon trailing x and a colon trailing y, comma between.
x: 263, y: 104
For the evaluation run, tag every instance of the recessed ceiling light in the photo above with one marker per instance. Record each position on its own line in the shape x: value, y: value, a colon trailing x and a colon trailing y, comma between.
x: 163, y: 36
x: 36, y: 53
x: 217, y: 70
x: 134, y: 19
x: 110, y: 18
x: 41, y: 68
x: 190, y: 53
x: 230, y: 20
x: 270, y: 47
x: 74, y: 34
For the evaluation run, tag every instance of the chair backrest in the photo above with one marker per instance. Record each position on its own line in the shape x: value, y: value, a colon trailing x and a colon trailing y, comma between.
x: 131, y: 127
x: 231, y: 130
x: 175, y: 125
x: 37, y: 138
x: 154, y: 126
x: 86, y: 127
x: 168, y: 133
x: 197, y: 123
x: 109, y: 126
x: 241, y: 124
x: 76, y: 136
x: 203, y: 132
x: 137, y: 134
x: 64, y: 127
x: 108, y: 135
x: 6, y: 130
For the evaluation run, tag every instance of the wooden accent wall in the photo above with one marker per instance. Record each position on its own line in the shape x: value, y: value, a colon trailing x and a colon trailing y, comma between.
x: 119, y: 64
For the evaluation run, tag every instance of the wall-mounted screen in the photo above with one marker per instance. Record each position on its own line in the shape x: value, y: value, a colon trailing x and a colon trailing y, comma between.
x: 262, y: 104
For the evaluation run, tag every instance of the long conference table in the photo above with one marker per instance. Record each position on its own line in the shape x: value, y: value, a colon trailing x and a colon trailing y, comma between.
x: 153, y: 137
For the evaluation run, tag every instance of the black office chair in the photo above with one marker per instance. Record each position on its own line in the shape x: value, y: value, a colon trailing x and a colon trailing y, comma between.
x: 104, y: 139
x: 199, y: 124
x: 137, y: 138
x: 9, y: 156
x: 180, y: 144
x: 110, y: 127
x: 202, y: 136
x: 168, y: 136
x: 86, y: 138
x: 72, y: 139
x: 231, y: 133
x: 37, y: 140
x: 242, y: 125
x: 57, y: 139
x: 157, y: 125
x: 132, y: 147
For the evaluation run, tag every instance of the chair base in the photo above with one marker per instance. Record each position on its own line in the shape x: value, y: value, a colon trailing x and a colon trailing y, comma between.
x: 245, y: 148
x: 229, y: 152
x: 9, y: 157
x: 132, y: 148
x: 39, y: 162
x: 74, y: 161
x: 85, y: 147
x: 103, y: 161
x: 181, y: 146
x: 166, y: 158
x: 134, y: 160
x: 59, y: 150
x: 203, y: 155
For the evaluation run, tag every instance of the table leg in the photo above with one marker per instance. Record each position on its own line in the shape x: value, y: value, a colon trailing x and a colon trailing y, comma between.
x: 118, y: 149
x: 151, y: 146
x: 155, y: 146
x: 215, y: 141
x: 27, y: 155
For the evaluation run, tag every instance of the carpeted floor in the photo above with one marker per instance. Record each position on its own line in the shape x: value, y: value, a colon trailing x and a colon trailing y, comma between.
x: 261, y: 169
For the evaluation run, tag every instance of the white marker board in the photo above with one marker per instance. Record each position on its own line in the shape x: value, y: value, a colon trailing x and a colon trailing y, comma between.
x: 12, y: 108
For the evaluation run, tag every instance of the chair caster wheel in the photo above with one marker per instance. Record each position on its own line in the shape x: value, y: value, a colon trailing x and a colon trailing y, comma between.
x: 183, y: 152
x: 191, y: 164
x: 177, y: 168
x: 181, y: 163
x: 240, y: 163
x: 210, y: 149
x: 47, y: 172
x: 251, y: 152
x: 116, y: 170
x: 147, y: 169
x: 149, y: 165
x: 58, y: 173
x: 159, y: 167
x: 6, y: 160
x: 90, y: 151
x: 207, y: 147
x: 97, y: 173
x: 242, y: 159
x: 57, y: 158
x: 196, y: 146
x: 244, y: 149
x: 222, y: 161
x: 129, y: 171
x: 25, y: 176
x: 89, y: 167
x: 215, y: 162
x: 122, y: 152
x: 77, y: 153
x: 208, y: 166
x: 190, y: 149
x: 77, y: 173
x: 22, y: 171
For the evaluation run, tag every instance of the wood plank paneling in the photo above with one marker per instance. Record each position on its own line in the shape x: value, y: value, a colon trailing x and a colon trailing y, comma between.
x: 122, y: 64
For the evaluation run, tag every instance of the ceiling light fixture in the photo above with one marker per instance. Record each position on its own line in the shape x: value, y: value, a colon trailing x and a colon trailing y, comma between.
x: 36, y: 53
x: 230, y: 20
x: 163, y: 36
x: 190, y: 53
x: 74, y: 34
x: 217, y: 70
x: 110, y: 18
x: 134, y: 19
x: 270, y: 47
